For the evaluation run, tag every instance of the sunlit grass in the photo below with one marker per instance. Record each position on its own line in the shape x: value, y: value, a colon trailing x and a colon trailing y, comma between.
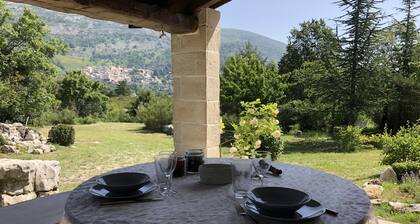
x: 105, y: 146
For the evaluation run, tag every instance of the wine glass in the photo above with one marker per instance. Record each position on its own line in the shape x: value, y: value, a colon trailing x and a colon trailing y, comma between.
x: 261, y: 162
x: 165, y: 162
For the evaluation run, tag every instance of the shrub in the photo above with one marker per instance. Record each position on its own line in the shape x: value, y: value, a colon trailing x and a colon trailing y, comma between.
x: 295, y: 129
x: 227, y: 135
x: 348, y: 138
x: 157, y: 113
x: 65, y: 116
x: 406, y: 168
x: 2, y: 140
x: 272, y: 144
x: 62, y: 135
x: 257, y: 122
x: 402, y: 147
x: 87, y: 120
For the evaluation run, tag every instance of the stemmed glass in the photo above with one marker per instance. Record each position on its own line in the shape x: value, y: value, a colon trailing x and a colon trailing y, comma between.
x: 165, y: 162
x: 261, y: 162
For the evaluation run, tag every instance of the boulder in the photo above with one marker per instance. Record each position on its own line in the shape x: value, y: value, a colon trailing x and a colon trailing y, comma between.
x: 47, y: 193
x: 404, y: 207
x: 8, y: 149
x: 47, y: 176
x: 373, y: 191
x: 31, y: 136
x: 35, y: 150
x: 6, y: 199
x: 18, y: 134
x: 388, y: 175
x: 16, y: 176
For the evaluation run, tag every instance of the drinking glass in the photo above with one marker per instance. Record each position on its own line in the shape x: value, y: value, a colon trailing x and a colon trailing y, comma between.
x: 261, y: 162
x: 241, y: 177
x: 165, y: 163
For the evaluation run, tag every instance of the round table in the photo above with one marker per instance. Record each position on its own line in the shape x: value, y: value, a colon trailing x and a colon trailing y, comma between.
x: 199, y: 203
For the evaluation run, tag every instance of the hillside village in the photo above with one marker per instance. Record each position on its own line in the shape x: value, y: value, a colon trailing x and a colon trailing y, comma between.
x: 113, y: 75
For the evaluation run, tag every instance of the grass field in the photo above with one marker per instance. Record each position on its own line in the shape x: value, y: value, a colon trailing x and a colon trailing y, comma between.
x: 105, y: 146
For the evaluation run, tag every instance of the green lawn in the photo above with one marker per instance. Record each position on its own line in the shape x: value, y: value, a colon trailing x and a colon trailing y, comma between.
x: 101, y: 147
x: 105, y: 146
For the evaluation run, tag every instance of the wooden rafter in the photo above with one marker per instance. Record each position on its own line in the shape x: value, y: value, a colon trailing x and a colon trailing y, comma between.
x: 173, y: 16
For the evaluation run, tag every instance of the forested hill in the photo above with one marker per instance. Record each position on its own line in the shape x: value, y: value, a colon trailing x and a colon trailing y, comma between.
x: 95, y: 42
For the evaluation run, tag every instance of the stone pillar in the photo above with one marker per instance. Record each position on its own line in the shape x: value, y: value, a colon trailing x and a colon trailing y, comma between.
x: 195, y: 69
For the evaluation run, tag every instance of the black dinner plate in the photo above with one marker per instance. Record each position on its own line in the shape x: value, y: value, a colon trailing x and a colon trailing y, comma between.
x: 99, y: 191
x: 308, y: 212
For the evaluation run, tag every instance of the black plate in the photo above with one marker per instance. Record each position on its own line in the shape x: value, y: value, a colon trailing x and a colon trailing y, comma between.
x: 278, y: 199
x: 101, y: 192
x: 308, y: 212
x: 123, y: 182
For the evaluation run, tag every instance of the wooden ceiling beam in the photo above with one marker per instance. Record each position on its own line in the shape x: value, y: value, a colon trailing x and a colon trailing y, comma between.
x: 130, y: 12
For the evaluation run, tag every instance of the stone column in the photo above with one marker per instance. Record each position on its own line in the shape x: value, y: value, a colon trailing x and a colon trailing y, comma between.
x: 195, y: 70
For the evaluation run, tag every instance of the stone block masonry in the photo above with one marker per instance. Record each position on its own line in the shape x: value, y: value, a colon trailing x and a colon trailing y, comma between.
x: 195, y: 69
x: 22, y: 180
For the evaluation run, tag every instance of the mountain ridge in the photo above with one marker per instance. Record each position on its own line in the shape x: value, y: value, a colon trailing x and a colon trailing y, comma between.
x: 94, y: 42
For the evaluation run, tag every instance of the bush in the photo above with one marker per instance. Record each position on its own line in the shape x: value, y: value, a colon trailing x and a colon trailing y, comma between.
x: 402, y: 147
x: 64, y: 116
x: 227, y: 135
x: 257, y: 122
x: 62, y: 135
x: 404, y: 168
x: 295, y: 130
x: 87, y: 120
x: 2, y: 140
x: 348, y: 138
x: 273, y: 145
x: 157, y: 113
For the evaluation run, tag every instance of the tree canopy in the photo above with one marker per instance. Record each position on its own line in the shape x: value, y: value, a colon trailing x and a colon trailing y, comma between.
x: 26, y: 68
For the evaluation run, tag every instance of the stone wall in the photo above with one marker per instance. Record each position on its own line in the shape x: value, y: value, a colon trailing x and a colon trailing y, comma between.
x: 18, y: 136
x: 22, y: 180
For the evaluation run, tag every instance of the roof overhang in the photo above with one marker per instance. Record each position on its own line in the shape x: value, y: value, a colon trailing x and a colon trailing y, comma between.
x: 173, y: 16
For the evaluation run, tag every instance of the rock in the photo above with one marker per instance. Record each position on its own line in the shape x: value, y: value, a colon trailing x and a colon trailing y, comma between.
x: 376, y: 201
x: 30, y: 136
x: 6, y: 199
x: 373, y: 181
x: 373, y: 191
x: 404, y: 207
x: 380, y: 221
x: 35, y: 150
x: 8, y: 149
x: 18, y: 134
x: 16, y: 176
x: 388, y: 175
x: 47, y: 176
x: 48, y: 193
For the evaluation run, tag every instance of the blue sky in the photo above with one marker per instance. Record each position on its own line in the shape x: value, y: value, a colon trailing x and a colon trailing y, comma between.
x: 275, y: 18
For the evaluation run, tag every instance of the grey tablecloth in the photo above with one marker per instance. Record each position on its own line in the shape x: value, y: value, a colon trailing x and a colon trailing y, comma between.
x: 198, y: 203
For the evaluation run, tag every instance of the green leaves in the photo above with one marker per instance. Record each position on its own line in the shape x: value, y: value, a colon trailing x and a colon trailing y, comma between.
x: 247, y: 77
x: 26, y: 69
x: 257, y: 123
x: 80, y: 93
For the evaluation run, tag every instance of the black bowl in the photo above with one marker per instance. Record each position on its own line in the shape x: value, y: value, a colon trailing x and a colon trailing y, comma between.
x: 123, y: 182
x: 278, y: 199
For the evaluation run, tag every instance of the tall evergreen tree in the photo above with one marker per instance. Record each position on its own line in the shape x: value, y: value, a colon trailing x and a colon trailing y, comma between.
x: 312, y: 41
x: 362, y: 24
x: 405, y: 104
